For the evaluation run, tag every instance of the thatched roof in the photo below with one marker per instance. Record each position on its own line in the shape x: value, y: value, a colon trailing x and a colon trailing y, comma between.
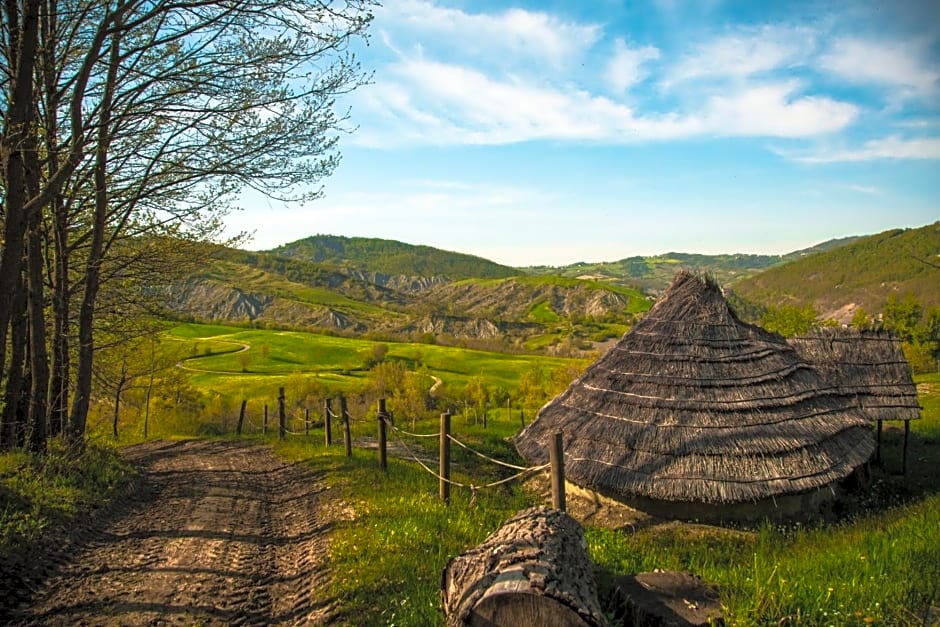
x: 868, y: 366
x: 694, y: 405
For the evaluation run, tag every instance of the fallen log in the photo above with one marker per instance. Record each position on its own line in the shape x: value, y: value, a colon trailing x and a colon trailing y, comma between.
x: 534, y: 570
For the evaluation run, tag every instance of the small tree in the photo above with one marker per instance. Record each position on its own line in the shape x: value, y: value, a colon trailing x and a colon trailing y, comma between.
x: 790, y: 320
x: 903, y: 316
x: 861, y: 321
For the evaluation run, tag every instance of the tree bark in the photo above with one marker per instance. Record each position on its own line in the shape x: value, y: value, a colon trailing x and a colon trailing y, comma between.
x: 15, y: 393
x: 534, y: 570
x: 52, y: 99
x: 38, y: 354
x: 22, y: 40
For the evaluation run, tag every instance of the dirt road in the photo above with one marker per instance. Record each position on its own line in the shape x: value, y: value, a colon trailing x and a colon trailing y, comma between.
x: 216, y: 533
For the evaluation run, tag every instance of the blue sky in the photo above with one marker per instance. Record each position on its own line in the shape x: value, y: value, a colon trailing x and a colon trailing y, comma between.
x: 545, y: 133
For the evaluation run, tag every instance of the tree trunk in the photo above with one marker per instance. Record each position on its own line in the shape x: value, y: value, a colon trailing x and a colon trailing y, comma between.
x: 22, y: 40
x: 534, y: 570
x: 149, y: 388
x: 36, y: 304
x: 59, y: 378
x: 118, y: 390
x: 86, y: 316
x: 16, y: 394
x: 38, y: 354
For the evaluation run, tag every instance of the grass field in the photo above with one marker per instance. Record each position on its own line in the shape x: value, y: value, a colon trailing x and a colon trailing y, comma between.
x: 274, y: 355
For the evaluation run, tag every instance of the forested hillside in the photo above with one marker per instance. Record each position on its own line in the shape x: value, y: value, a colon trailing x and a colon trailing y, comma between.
x: 392, y: 257
x: 862, y: 274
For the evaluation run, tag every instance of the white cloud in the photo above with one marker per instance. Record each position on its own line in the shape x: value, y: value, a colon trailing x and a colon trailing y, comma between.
x: 534, y: 36
x: 893, y: 64
x: 892, y: 147
x: 774, y: 111
x: 864, y: 189
x: 745, y: 53
x: 626, y: 66
x: 436, y: 103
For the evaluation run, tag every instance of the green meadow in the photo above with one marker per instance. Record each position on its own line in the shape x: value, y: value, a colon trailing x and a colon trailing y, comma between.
x: 213, y: 355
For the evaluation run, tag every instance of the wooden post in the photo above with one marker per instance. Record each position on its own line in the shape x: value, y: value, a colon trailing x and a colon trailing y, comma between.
x: 383, y: 444
x: 522, y: 416
x: 264, y: 425
x: 878, y: 445
x: 556, y: 456
x: 907, y: 432
x: 328, y: 424
x: 281, y: 414
x: 241, y: 417
x: 444, y: 469
x: 306, y: 421
x: 347, y: 437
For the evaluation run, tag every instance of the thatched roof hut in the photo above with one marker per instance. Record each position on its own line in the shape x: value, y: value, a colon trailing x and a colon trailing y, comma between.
x: 694, y: 412
x: 870, y: 367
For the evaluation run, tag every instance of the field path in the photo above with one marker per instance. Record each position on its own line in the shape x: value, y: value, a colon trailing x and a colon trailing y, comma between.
x: 217, y: 533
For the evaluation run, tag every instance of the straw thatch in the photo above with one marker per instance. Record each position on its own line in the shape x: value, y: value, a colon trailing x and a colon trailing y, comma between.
x: 695, y: 406
x: 868, y: 366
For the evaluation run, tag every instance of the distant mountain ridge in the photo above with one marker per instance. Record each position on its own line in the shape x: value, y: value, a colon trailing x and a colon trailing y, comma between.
x: 653, y: 274
x: 384, y: 288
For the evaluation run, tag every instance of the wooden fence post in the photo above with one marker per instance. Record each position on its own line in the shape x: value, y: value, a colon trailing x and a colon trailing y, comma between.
x: 328, y: 421
x: 264, y: 425
x: 347, y: 437
x: 444, y: 468
x: 281, y: 414
x: 556, y: 457
x: 383, y: 444
x: 306, y: 421
x: 241, y: 417
x: 907, y: 433
x: 878, y: 444
x: 522, y: 416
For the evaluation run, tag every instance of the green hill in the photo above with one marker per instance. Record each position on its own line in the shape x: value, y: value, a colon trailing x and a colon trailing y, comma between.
x: 862, y: 273
x: 535, y: 312
x: 392, y: 257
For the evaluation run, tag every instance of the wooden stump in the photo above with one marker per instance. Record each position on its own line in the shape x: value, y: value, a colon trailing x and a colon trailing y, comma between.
x: 534, y: 570
x: 665, y: 598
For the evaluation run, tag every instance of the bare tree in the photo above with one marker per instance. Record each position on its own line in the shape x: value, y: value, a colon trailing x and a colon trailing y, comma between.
x: 151, y: 117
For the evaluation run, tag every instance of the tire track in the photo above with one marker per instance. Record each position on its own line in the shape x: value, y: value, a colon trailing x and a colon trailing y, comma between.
x: 223, y: 533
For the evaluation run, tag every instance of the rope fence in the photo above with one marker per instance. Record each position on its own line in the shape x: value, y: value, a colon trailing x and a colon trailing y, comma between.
x: 385, y: 421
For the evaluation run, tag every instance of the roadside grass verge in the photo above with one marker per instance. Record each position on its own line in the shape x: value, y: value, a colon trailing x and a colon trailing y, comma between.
x: 388, y: 557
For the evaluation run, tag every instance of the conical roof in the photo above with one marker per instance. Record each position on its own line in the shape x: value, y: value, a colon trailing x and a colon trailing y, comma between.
x: 694, y: 405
